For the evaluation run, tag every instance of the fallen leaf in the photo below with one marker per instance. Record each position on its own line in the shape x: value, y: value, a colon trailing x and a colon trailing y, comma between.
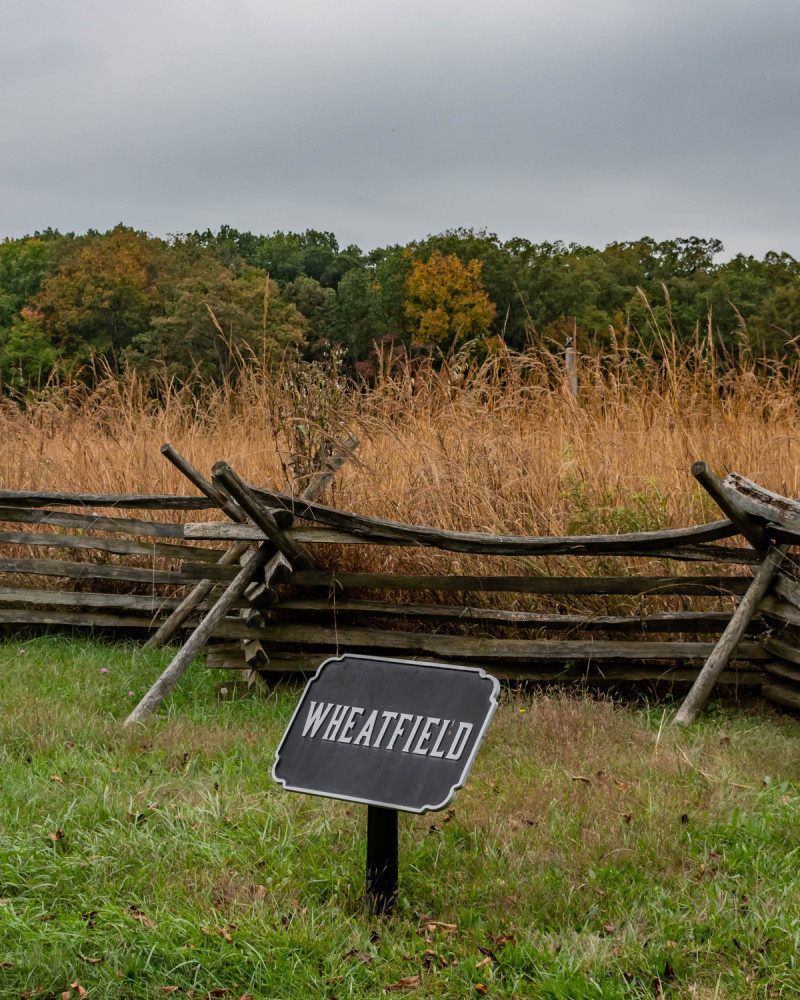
x: 225, y: 933
x: 55, y: 836
x: 715, y: 855
x: 80, y: 989
x: 627, y: 817
x: 91, y: 961
x: 169, y: 989
x: 608, y: 927
x: 480, y: 988
x: 437, y: 925
x: 55, y: 777
x: 6, y: 965
x: 66, y: 994
x: 483, y: 963
x: 501, y: 940
x: 621, y: 784
x: 406, y: 983
x: 137, y: 914
x: 577, y: 777
x: 489, y: 954
x: 246, y: 996
x: 450, y: 814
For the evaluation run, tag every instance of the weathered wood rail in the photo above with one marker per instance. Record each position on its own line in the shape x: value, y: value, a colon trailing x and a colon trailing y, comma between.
x: 163, y: 572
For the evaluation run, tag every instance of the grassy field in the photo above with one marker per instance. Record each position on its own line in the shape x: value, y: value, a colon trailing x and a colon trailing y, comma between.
x: 596, y: 852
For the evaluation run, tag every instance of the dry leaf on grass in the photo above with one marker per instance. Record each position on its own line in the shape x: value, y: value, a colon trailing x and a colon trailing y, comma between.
x: 137, y: 914
x: 79, y: 988
x: 406, y: 983
x: 437, y: 925
x: 480, y: 988
x: 483, y: 963
x: 55, y: 777
x: 6, y: 965
x: 66, y: 995
x: 57, y: 835
x: 91, y: 961
x: 166, y: 990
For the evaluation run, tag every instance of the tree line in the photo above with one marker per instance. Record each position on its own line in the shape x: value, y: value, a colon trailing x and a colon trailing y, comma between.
x: 204, y: 303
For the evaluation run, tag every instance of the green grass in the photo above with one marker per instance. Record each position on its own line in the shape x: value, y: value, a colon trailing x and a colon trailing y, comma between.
x: 595, y: 853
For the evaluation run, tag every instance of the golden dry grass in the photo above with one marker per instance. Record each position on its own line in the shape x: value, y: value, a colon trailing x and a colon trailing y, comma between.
x: 494, y: 446
x: 497, y: 446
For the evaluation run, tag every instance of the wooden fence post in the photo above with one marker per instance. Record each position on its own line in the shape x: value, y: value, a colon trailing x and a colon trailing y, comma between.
x: 277, y: 566
x: 734, y: 630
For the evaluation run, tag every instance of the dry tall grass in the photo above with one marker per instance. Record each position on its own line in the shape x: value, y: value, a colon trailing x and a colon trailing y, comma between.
x: 496, y: 446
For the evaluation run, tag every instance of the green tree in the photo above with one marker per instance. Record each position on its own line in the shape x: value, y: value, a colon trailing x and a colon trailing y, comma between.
x: 23, y: 264
x: 316, y: 304
x: 778, y: 322
x: 27, y: 356
x: 216, y: 320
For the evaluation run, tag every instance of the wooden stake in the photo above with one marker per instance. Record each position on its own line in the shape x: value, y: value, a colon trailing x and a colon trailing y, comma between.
x: 701, y: 689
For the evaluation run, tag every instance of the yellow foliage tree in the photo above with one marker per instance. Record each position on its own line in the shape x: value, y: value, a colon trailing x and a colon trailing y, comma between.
x: 446, y: 302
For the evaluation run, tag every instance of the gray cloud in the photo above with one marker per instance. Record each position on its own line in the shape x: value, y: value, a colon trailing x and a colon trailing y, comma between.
x: 384, y: 121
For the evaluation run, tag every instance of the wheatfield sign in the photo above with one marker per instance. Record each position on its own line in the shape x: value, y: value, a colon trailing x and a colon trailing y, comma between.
x: 391, y: 733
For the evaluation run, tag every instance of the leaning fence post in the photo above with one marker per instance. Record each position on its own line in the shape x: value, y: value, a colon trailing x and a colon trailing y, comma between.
x: 200, y: 592
x: 277, y: 566
x: 727, y: 503
x: 734, y: 630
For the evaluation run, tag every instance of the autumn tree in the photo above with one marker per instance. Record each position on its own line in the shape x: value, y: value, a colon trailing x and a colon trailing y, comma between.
x: 105, y: 291
x: 446, y: 303
x: 216, y: 319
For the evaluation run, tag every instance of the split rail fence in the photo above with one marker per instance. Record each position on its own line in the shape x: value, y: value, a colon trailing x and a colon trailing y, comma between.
x: 286, y: 582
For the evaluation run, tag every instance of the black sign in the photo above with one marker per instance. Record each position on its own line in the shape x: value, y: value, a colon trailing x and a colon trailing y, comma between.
x: 394, y: 733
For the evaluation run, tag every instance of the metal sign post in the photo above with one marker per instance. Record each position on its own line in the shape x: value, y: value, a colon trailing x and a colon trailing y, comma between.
x: 397, y: 735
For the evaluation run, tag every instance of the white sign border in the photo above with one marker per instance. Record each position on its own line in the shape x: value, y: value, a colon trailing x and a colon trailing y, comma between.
x: 494, y: 700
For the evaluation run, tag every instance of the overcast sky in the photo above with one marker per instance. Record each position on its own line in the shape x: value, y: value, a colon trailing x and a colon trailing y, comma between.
x: 386, y: 120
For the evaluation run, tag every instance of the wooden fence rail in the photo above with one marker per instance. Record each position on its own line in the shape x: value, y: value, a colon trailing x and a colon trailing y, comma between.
x: 133, y: 574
